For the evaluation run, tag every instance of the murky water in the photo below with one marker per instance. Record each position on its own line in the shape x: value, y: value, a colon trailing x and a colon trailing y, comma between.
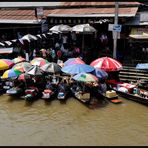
x: 72, y: 123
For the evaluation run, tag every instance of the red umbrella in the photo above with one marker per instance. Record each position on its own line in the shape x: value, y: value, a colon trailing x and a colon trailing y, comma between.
x: 107, y: 64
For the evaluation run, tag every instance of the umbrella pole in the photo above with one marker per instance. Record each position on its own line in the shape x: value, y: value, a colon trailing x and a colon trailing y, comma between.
x: 25, y: 84
x: 27, y: 54
x: 83, y: 87
x: 83, y: 42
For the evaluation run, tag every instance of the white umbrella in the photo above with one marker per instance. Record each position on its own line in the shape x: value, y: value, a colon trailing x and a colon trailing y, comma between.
x: 50, y: 33
x: 85, y: 29
x: 38, y: 35
x: 28, y: 37
x: 8, y: 43
x: 60, y: 28
x: 2, y: 44
x: 44, y: 35
x: 14, y: 40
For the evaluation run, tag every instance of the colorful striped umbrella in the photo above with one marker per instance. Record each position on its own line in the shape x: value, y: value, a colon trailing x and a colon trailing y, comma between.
x: 39, y: 61
x: 23, y: 66
x: 85, y: 77
x: 11, y: 73
x: 107, y: 64
x: 72, y: 61
x: 18, y: 59
x: 6, y: 64
x: 24, y: 76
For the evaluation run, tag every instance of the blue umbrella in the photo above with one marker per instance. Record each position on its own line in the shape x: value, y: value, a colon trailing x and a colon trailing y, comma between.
x: 77, y: 68
x: 101, y: 74
x: 142, y: 66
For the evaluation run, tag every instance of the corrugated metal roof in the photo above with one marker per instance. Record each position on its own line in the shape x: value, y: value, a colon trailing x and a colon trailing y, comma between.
x: 98, y: 3
x: 17, y: 14
x: 105, y: 12
x: 29, y: 14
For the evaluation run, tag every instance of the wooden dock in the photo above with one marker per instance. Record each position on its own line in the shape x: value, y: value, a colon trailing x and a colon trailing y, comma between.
x: 130, y: 74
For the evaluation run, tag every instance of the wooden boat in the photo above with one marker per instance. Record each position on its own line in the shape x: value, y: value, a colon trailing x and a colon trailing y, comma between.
x: 90, y: 99
x: 47, y: 94
x: 127, y: 90
x: 63, y: 92
x: 143, y: 87
x: 112, y: 96
x: 135, y: 97
x: 31, y: 93
x: 83, y: 97
x: 14, y: 91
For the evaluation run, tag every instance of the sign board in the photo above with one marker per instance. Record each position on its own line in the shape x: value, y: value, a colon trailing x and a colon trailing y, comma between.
x: 44, y: 27
x: 39, y: 11
x: 117, y: 28
x: 110, y: 27
x: 143, y: 17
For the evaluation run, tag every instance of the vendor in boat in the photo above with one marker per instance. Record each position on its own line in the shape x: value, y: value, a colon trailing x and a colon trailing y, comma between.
x: 49, y: 85
x: 102, y: 88
x: 55, y: 80
x: 62, y: 86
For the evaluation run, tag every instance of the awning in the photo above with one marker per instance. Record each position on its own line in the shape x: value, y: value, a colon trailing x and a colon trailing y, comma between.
x: 139, y: 33
x: 11, y: 21
x: 140, y: 19
x: 142, y: 66
x: 6, y: 50
x: 139, y: 36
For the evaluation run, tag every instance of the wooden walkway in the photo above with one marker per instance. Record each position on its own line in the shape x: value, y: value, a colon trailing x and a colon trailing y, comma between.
x: 129, y: 74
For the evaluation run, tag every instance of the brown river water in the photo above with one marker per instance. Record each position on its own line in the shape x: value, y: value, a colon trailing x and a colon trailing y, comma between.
x: 71, y: 123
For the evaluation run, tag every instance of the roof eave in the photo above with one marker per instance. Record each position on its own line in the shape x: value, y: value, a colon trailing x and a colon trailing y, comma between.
x: 9, y: 21
x: 90, y: 15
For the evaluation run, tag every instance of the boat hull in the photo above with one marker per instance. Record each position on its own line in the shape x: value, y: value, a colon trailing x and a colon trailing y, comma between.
x: 133, y: 97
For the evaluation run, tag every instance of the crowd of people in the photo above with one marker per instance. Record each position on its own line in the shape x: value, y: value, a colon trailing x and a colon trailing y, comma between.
x: 60, y: 47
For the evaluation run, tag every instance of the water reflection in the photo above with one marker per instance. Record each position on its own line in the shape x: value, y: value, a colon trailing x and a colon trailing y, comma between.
x: 72, y: 123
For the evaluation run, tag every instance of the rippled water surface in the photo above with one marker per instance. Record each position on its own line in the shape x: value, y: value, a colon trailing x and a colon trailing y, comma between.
x: 71, y: 123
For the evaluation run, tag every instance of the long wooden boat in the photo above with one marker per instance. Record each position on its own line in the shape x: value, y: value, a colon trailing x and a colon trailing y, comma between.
x: 31, y: 93
x: 141, y: 96
x: 83, y: 97
x: 15, y: 91
x: 111, y: 96
x: 92, y: 102
x: 134, y: 97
